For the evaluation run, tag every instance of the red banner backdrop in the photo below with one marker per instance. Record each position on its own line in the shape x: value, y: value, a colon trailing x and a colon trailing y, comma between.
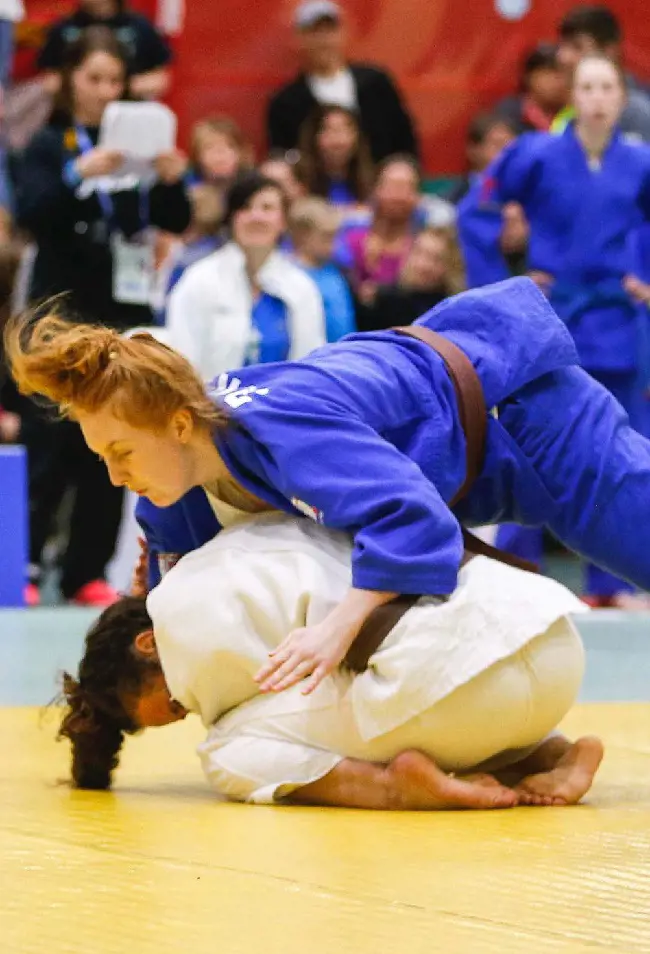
x: 451, y: 58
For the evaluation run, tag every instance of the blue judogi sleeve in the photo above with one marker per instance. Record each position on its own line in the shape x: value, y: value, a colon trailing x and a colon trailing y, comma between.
x: 511, y: 178
x: 173, y: 531
x: 338, y: 470
x: 479, y: 223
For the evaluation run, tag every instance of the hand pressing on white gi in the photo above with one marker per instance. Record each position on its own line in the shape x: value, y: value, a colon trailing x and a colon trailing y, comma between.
x: 313, y: 652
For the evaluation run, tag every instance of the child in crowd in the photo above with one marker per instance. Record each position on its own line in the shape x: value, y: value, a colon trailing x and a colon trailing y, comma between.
x: 487, y: 136
x: 219, y: 152
x: 432, y: 272
x: 281, y: 167
x: 312, y: 226
x: 543, y: 92
x: 373, y: 252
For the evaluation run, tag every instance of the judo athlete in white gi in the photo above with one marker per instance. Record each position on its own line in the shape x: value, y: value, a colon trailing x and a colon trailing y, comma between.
x: 472, y: 682
x: 367, y: 435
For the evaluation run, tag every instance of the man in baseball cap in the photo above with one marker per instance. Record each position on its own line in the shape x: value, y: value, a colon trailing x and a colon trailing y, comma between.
x: 328, y: 77
x: 312, y: 12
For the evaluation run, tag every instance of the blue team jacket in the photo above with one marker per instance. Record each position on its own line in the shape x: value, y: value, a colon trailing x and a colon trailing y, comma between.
x: 363, y: 435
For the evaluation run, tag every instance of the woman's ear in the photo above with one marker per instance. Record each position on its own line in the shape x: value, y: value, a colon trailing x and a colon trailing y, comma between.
x: 145, y: 643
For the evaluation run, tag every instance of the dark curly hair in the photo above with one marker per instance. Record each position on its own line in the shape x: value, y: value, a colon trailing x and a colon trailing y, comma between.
x: 95, y: 720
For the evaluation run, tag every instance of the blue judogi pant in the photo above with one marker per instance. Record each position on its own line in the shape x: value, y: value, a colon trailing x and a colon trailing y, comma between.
x: 599, y: 432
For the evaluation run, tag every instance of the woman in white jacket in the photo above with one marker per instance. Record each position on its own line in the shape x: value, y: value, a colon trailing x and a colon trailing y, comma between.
x: 247, y: 303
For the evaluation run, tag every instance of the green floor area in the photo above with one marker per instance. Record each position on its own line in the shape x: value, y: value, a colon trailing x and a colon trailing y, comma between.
x: 37, y: 645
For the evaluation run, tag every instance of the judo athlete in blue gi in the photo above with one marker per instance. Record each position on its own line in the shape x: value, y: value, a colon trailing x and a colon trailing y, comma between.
x: 586, y: 195
x: 363, y: 435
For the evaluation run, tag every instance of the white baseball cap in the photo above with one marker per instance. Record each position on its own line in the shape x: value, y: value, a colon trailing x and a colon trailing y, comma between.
x: 310, y: 12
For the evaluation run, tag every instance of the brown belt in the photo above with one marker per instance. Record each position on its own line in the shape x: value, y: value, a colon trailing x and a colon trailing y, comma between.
x: 473, y: 417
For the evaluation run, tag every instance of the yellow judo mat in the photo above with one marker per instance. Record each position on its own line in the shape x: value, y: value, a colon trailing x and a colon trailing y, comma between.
x: 161, y: 866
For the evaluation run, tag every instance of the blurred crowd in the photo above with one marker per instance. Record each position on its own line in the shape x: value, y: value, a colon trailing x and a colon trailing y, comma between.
x: 246, y: 258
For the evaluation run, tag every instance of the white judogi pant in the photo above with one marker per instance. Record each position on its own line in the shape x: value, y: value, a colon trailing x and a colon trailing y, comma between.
x: 487, y: 674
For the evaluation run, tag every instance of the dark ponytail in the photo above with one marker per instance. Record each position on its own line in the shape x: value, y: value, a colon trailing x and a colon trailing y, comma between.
x: 95, y: 720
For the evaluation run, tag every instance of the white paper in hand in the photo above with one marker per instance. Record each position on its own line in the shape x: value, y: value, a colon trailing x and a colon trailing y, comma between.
x: 140, y: 131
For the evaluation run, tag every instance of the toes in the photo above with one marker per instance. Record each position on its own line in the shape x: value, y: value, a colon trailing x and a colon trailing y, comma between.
x: 534, y: 799
x: 506, y: 799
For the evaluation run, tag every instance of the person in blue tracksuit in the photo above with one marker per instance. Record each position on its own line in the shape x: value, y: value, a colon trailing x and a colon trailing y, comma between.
x: 586, y: 195
x: 363, y: 435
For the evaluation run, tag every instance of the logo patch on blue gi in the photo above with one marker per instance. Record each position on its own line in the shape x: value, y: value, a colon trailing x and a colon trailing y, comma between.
x: 230, y: 392
x: 312, y: 512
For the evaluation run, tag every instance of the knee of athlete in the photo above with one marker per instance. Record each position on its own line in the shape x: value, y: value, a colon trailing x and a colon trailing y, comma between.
x: 99, y: 700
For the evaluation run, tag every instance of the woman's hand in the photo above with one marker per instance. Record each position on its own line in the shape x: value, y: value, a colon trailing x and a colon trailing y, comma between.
x: 316, y: 651
x: 171, y: 166
x: 637, y: 289
x: 98, y: 162
x: 515, y: 230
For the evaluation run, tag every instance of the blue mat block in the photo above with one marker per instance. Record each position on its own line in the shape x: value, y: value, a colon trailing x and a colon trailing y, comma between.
x: 13, y: 525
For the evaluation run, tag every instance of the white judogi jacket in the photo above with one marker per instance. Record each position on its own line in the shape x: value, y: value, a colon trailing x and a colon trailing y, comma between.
x: 220, y: 610
x: 209, y: 311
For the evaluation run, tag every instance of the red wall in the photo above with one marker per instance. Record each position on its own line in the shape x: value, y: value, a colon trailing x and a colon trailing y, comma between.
x: 451, y: 57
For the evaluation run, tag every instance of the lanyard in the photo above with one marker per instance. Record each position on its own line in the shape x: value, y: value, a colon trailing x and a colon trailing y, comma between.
x: 85, y: 145
x: 106, y: 203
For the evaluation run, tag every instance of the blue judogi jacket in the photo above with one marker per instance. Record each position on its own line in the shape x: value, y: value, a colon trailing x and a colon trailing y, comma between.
x: 583, y: 226
x: 364, y: 436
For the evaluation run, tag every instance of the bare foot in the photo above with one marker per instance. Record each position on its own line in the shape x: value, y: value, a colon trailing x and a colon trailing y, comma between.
x: 568, y: 780
x: 421, y: 786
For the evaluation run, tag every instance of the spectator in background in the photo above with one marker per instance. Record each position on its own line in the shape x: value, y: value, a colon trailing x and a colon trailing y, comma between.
x: 219, y: 152
x: 543, y: 92
x: 335, y: 161
x: 148, y: 52
x: 487, y: 136
x: 432, y: 272
x: 329, y: 78
x: 281, y: 168
x: 248, y: 303
x: 373, y: 253
x: 203, y: 237
x: 88, y: 223
x: 69, y: 197
x: 313, y: 225
x: 590, y: 29
x: 493, y: 236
